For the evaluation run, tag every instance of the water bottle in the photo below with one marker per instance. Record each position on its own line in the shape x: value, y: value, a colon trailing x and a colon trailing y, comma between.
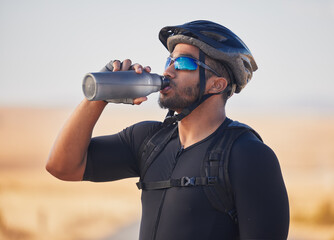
x: 121, y: 85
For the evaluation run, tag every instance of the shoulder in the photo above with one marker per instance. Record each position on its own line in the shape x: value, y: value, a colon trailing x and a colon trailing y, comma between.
x: 253, y: 163
x: 137, y: 133
x: 142, y: 128
x: 249, y: 151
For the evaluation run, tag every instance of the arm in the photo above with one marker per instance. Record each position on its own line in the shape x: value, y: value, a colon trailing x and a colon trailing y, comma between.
x: 67, y: 159
x: 260, y: 194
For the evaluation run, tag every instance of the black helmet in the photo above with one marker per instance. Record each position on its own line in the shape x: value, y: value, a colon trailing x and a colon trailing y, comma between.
x: 219, y: 43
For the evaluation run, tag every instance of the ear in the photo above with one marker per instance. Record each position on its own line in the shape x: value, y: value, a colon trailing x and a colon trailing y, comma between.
x: 216, y: 84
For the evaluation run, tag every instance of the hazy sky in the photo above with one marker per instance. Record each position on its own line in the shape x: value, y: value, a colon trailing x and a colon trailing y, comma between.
x: 46, y: 47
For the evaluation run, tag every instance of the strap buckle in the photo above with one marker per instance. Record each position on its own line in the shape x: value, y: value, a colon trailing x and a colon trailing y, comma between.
x: 212, y: 180
x: 187, y: 181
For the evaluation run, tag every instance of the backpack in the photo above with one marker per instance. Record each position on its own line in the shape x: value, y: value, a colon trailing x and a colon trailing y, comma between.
x: 214, y: 170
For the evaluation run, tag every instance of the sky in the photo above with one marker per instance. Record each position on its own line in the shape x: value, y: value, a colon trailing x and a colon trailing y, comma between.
x: 46, y: 47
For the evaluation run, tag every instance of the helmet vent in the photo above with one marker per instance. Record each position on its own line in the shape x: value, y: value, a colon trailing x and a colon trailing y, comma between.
x: 215, y: 36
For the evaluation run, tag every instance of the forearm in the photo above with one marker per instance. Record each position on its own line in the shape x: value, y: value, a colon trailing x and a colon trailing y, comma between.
x: 67, y: 159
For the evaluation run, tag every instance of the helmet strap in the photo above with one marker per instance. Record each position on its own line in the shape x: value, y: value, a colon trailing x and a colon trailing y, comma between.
x: 202, y: 81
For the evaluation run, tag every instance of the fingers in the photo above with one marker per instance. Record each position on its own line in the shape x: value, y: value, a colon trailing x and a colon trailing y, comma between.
x: 147, y: 69
x: 138, y: 101
x: 139, y: 68
x: 126, y: 64
x: 117, y: 65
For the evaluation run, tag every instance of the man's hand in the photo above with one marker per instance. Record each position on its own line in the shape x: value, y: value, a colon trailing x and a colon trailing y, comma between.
x: 117, y: 65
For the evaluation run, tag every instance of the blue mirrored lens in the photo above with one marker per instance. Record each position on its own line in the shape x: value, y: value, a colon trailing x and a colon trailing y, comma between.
x: 185, y: 63
x: 182, y: 63
x: 169, y: 60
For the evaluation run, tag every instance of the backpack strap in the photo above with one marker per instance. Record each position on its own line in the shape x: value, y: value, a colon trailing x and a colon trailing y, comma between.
x: 220, y: 194
x: 214, y: 171
x: 179, y: 182
x: 153, y: 145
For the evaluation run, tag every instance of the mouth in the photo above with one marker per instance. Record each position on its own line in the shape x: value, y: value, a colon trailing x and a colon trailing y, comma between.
x: 165, y: 90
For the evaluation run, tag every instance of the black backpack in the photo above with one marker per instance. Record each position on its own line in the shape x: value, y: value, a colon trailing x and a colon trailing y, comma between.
x: 214, y: 171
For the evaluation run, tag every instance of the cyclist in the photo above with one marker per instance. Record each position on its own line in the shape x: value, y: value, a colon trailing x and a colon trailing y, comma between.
x: 208, y: 63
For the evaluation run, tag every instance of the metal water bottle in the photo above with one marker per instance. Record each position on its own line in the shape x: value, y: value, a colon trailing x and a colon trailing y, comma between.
x: 120, y: 85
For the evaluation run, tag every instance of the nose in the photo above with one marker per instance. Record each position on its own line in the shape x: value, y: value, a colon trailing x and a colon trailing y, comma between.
x: 170, y: 71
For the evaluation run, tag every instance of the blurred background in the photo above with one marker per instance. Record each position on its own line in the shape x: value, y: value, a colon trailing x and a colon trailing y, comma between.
x: 46, y: 47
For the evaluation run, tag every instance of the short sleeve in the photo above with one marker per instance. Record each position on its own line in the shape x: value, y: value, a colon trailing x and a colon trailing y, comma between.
x: 114, y: 157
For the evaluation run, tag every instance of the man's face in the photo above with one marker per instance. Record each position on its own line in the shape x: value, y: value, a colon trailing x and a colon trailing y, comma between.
x: 184, y: 84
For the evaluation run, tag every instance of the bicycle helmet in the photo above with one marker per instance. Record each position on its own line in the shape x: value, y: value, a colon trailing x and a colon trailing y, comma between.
x: 216, y: 41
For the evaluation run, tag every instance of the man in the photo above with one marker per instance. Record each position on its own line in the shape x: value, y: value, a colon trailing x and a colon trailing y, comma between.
x: 207, y: 64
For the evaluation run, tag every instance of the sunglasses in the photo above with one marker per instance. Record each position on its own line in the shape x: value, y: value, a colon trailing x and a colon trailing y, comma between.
x: 187, y: 63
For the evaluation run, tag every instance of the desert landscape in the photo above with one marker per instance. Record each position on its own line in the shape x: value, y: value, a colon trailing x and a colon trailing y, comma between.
x: 35, y: 205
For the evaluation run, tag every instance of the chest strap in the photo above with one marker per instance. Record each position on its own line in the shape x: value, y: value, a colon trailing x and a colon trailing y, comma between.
x: 180, y: 182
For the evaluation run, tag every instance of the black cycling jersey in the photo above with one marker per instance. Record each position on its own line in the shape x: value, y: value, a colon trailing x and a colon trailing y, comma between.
x: 186, y: 213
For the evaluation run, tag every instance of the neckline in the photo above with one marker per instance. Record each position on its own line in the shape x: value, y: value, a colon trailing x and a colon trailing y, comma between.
x: 222, y: 125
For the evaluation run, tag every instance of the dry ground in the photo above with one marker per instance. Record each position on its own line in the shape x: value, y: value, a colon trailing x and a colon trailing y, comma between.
x: 34, y: 205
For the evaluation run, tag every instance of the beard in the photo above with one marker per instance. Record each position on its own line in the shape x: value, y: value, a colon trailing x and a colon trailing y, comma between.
x: 181, y: 99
